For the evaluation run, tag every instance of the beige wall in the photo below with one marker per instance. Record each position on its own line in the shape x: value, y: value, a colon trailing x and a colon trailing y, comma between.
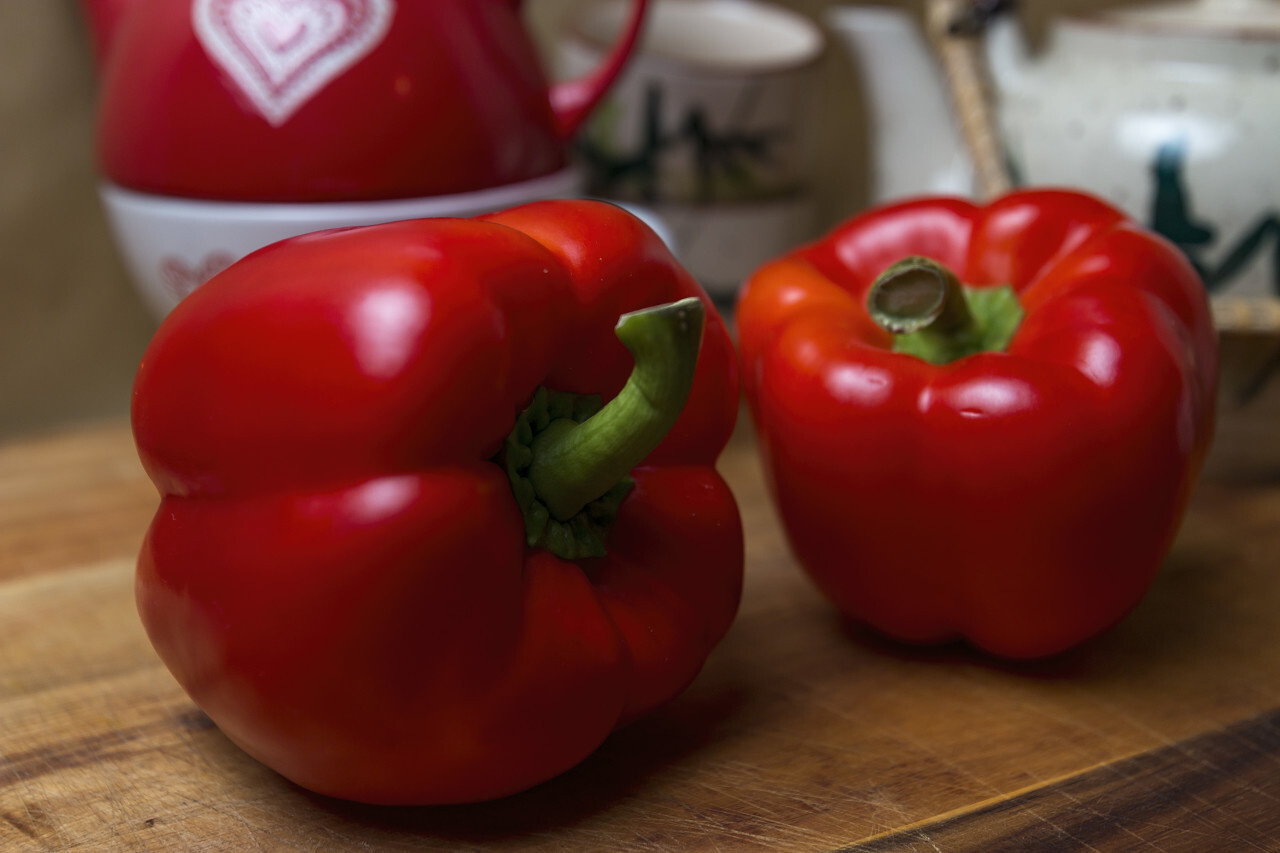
x: 71, y: 328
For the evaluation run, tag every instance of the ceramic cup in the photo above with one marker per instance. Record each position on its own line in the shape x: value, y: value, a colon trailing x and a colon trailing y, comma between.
x: 172, y: 245
x: 712, y: 125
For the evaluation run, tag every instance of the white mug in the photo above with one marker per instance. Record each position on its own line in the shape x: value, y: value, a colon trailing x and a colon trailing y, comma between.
x: 715, y: 106
x: 712, y: 126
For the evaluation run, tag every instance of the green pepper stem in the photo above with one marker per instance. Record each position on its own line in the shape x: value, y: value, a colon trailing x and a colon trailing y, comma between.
x: 918, y: 294
x: 576, y: 463
x: 935, y: 317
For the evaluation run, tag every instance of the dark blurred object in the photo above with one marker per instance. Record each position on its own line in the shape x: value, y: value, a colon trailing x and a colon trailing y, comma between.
x: 975, y: 17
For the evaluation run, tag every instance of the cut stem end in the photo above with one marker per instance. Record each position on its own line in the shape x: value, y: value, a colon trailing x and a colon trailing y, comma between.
x: 935, y: 317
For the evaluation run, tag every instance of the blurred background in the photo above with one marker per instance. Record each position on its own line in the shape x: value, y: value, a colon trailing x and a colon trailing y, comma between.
x: 72, y: 327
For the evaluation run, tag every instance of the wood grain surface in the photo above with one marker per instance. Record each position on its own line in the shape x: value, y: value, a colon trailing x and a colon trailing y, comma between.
x: 801, y: 734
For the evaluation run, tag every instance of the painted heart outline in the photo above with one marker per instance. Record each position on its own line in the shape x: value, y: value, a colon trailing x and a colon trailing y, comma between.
x: 280, y: 53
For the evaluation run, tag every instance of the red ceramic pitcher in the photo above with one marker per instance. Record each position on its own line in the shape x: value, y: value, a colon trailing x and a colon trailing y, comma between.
x: 331, y: 100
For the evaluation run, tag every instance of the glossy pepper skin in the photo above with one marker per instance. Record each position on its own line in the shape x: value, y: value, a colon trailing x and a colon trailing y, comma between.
x: 1022, y: 500
x: 338, y: 574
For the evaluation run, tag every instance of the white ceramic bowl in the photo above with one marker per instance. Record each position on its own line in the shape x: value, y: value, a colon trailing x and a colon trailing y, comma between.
x: 172, y: 245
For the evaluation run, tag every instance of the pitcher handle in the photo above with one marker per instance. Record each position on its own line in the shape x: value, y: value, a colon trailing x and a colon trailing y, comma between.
x: 573, y: 100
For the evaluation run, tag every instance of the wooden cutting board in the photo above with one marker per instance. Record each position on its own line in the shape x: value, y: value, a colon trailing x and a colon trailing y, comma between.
x: 801, y: 734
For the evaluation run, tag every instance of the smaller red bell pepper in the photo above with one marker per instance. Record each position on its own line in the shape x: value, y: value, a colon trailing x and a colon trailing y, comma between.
x: 431, y: 527
x: 1004, y: 461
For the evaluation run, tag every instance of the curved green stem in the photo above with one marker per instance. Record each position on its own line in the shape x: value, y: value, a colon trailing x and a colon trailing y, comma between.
x: 568, y: 459
x: 936, y: 318
x: 575, y: 463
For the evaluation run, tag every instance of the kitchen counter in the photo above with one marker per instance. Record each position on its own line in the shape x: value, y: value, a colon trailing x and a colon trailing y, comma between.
x: 802, y: 733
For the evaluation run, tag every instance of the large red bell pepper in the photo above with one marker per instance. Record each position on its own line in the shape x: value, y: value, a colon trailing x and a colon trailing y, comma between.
x: 387, y: 562
x: 1006, y: 463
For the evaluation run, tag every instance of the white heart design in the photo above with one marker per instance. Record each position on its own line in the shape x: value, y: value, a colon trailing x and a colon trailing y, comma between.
x: 280, y: 53
x: 281, y: 36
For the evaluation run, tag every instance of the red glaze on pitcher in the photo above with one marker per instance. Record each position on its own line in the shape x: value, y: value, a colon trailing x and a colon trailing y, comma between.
x: 331, y: 100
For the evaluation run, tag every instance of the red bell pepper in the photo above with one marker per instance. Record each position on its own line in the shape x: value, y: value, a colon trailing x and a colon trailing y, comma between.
x: 386, y: 562
x: 1005, y: 462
